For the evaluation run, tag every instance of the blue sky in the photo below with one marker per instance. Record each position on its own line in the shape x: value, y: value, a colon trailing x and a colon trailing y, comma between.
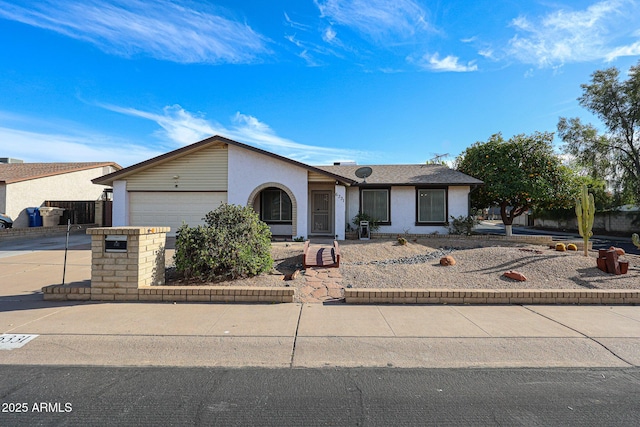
x: 373, y: 81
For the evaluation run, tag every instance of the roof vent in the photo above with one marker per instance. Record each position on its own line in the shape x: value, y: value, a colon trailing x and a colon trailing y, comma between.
x: 347, y: 163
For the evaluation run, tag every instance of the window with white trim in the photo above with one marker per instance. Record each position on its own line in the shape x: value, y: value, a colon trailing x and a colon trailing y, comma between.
x: 375, y: 203
x: 432, y: 205
x: 275, y: 206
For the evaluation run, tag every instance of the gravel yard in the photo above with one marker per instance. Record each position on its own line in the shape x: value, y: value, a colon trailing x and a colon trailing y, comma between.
x: 479, y: 265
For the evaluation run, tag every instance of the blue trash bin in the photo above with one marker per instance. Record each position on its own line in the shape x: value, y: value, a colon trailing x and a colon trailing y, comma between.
x: 35, y: 219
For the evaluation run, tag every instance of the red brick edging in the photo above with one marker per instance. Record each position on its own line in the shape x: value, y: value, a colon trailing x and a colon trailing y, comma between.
x: 488, y: 296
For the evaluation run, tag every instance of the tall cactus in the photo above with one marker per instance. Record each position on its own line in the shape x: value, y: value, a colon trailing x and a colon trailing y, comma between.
x: 585, y: 209
x: 636, y: 240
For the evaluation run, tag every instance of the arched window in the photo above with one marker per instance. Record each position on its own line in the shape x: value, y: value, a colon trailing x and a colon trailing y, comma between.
x: 275, y: 206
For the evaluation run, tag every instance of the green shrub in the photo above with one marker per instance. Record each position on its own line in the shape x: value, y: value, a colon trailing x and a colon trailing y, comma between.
x: 462, y: 225
x: 233, y: 243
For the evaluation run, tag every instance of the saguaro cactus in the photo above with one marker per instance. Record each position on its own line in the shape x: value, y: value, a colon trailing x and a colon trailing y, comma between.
x: 585, y: 210
x: 636, y: 240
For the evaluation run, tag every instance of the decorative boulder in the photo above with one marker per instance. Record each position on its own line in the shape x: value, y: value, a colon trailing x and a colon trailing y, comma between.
x: 560, y: 247
x: 572, y: 247
x: 515, y: 275
x: 447, y: 260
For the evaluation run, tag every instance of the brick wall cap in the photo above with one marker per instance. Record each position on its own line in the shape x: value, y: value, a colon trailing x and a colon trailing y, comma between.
x: 134, y: 231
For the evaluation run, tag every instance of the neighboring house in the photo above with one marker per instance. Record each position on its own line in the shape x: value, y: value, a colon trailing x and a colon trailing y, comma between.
x: 24, y: 185
x: 295, y: 199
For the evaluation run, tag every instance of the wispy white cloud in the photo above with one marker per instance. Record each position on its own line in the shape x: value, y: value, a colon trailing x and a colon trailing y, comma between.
x: 377, y: 20
x: 329, y: 35
x: 182, y: 128
x: 167, y: 30
x: 33, y: 146
x: 632, y: 49
x: 294, y: 24
x: 448, y: 63
x: 603, y: 31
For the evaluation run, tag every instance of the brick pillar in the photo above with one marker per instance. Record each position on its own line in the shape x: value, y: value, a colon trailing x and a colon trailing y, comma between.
x: 117, y: 272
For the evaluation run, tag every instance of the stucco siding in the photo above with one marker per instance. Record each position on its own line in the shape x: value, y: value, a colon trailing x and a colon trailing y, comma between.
x: 3, y: 198
x: 68, y: 186
x: 340, y: 211
x: 204, y: 170
x: 353, y: 204
x: 249, y: 170
x: 458, y: 201
x: 120, y: 207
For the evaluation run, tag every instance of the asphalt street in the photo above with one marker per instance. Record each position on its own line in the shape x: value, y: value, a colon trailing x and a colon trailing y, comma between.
x: 93, y: 363
x: 598, y: 241
x: 313, y: 397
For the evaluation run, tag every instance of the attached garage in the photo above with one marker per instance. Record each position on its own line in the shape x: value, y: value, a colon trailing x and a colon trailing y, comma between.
x: 172, y: 208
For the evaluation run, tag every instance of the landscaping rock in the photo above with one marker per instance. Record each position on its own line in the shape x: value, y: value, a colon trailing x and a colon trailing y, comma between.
x: 417, y: 259
x: 447, y: 260
x: 292, y: 276
x: 515, y: 275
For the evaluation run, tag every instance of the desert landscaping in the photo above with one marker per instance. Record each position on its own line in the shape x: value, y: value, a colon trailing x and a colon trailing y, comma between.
x: 480, y: 264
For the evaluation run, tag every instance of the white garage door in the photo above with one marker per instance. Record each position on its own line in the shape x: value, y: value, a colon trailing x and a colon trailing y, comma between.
x: 172, y: 208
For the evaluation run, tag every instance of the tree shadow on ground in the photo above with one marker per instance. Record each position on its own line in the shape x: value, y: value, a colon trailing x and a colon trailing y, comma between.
x: 514, y: 264
x: 593, y: 278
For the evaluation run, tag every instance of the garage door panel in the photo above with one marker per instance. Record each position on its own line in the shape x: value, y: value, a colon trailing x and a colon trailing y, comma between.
x: 172, y: 208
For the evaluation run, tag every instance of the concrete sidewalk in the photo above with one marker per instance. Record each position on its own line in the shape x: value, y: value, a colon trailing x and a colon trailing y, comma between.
x: 314, y: 335
x: 298, y: 335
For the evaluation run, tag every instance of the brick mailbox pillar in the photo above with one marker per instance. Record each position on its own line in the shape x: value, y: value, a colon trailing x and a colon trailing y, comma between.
x: 125, y: 258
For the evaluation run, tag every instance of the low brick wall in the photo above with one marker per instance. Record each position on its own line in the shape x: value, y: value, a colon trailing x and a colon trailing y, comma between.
x: 17, y: 233
x: 498, y: 296
x: 127, y: 264
x: 169, y: 293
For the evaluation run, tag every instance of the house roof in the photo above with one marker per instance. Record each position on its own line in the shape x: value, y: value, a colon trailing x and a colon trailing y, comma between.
x: 17, y: 172
x: 217, y: 139
x: 421, y: 174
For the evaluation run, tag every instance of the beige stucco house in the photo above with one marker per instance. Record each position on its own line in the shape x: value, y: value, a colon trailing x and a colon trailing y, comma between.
x: 24, y: 185
x: 295, y: 199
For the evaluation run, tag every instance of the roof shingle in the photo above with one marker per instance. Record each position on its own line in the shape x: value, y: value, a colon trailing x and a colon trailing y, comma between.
x: 421, y: 174
x: 16, y: 172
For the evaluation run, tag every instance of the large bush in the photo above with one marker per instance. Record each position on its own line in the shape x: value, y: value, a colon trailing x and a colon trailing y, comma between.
x: 232, y: 243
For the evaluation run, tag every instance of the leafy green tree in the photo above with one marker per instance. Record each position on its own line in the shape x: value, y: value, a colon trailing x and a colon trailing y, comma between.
x: 604, y: 199
x: 615, y: 154
x: 519, y: 174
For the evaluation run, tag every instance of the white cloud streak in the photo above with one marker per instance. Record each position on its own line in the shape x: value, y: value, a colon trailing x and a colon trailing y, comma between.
x: 603, y: 31
x: 57, y: 147
x: 183, y: 128
x: 378, y: 20
x: 447, y: 64
x: 160, y: 29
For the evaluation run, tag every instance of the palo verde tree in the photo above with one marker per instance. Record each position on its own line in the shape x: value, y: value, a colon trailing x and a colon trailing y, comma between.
x: 519, y: 174
x: 615, y: 154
